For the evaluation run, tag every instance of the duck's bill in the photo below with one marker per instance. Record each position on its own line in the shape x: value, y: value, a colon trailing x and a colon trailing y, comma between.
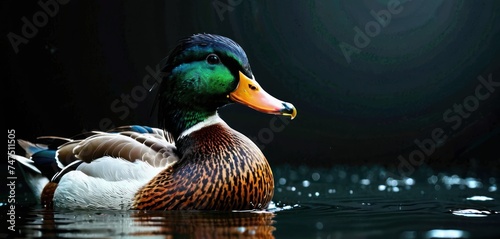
x: 249, y: 93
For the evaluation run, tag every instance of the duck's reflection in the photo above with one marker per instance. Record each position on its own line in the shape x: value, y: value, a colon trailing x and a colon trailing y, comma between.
x: 160, y: 224
x: 208, y: 224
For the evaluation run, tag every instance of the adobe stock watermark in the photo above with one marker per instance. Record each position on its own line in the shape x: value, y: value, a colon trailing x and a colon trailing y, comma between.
x: 11, y: 180
x: 372, y: 29
x: 129, y: 101
x: 221, y: 7
x: 266, y: 135
x: 454, y: 116
x: 30, y: 27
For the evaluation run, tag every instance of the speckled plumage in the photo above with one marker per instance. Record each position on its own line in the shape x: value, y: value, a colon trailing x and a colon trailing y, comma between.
x: 221, y: 169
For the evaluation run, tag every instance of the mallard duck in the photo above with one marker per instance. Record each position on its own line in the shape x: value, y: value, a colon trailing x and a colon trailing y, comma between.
x: 192, y: 161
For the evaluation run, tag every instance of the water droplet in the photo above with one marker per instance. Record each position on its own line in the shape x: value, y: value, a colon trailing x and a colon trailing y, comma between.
x: 282, y: 181
x: 409, y: 181
x: 471, y: 213
x: 432, y: 179
x: 316, y: 194
x: 381, y: 187
x: 351, y: 192
x: 315, y: 176
x: 391, y: 182
x: 306, y: 183
x: 287, y: 207
x: 365, y: 181
x: 492, y: 188
x: 395, y: 189
x: 479, y: 198
x: 473, y: 183
x: 453, y: 180
x: 446, y: 233
x: 331, y: 190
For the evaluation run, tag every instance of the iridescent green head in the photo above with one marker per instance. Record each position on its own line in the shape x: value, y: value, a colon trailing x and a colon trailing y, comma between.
x: 202, y: 73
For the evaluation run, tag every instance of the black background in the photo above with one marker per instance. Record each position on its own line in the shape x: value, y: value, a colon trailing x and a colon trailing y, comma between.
x: 369, y: 110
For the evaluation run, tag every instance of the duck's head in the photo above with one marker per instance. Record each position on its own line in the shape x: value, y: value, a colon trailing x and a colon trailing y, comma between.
x: 205, y: 72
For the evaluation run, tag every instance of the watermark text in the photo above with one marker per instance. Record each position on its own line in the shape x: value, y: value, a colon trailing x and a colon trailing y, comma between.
x: 30, y: 27
x: 11, y: 180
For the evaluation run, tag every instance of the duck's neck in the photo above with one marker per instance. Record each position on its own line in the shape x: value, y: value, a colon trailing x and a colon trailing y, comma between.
x: 179, y: 123
x: 211, y: 120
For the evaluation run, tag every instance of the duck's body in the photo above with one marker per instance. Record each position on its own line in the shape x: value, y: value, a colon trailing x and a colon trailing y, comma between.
x: 195, y: 162
x: 243, y: 177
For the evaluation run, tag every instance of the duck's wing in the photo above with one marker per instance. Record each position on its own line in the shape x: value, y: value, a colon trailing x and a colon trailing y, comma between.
x: 113, y: 155
x: 128, y: 145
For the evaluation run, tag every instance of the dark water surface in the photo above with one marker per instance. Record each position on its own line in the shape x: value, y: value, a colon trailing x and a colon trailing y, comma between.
x: 336, y: 203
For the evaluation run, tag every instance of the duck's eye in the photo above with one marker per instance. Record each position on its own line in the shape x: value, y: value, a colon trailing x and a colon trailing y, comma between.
x: 213, y: 59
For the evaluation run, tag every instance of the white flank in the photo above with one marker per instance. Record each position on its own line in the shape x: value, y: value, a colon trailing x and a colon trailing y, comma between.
x: 106, y: 183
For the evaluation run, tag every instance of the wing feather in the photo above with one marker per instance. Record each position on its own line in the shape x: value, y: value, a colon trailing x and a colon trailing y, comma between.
x: 120, y: 152
x: 152, y: 148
